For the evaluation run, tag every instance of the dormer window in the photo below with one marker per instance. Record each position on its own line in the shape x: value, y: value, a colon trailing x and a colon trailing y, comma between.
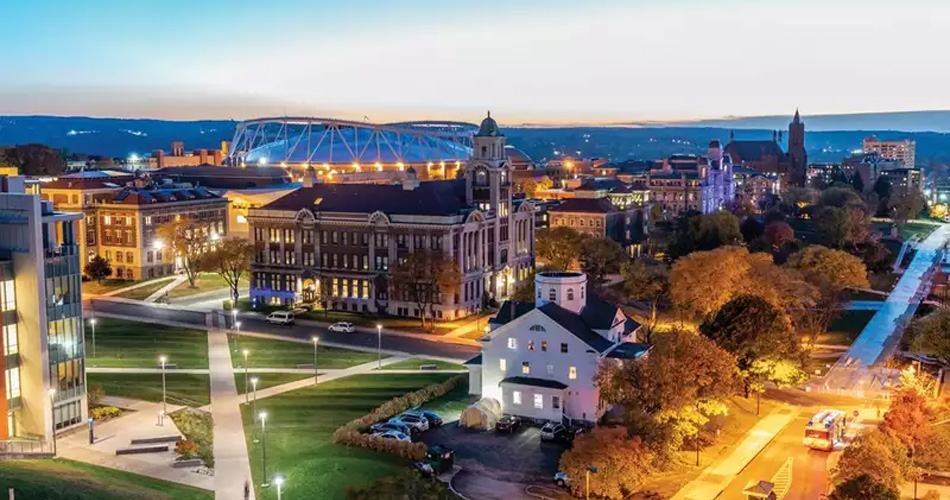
x: 552, y: 295
x: 570, y: 294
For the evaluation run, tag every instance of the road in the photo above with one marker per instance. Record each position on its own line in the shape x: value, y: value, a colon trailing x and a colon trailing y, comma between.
x: 415, y: 345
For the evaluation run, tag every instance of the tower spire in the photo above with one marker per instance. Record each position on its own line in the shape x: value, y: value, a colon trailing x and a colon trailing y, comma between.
x: 797, y: 118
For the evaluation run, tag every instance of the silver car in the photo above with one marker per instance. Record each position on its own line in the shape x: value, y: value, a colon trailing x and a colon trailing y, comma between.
x: 415, y: 422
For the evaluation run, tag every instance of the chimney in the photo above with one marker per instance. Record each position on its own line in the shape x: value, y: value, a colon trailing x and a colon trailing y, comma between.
x: 308, y: 178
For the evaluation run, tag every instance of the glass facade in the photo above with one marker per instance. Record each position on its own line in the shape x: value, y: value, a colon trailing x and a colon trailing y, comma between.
x: 65, y: 334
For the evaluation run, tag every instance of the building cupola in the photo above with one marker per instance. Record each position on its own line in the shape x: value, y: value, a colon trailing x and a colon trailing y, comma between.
x: 564, y: 288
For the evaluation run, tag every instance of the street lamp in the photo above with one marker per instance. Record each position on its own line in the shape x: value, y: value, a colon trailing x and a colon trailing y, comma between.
x: 254, y: 385
x: 279, y: 481
x: 263, y: 417
x: 246, y: 396
x: 52, y: 412
x: 592, y: 468
x: 163, y: 360
x: 237, y: 326
x: 92, y: 322
x: 379, y: 345
x: 316, y: 340
x: 234, y: 314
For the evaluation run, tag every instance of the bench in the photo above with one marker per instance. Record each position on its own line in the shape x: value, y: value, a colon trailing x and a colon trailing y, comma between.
x: 171, y: 438
x: 135, y: 450
x: 186, y: 463
x: 428, y: 367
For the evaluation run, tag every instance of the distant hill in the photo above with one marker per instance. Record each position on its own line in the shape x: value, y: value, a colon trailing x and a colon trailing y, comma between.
x: 905, y: 121
x: 122, y: 137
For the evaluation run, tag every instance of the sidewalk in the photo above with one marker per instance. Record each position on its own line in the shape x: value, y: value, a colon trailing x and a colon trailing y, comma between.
x: 167, y: 288
x: 717, y: 476
x: 231, y: 463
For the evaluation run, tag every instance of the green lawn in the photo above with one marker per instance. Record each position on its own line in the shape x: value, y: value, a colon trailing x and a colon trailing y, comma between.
x: 415, y: 363
x: 181, y: 388
x: 107, y: 285
x: 846, y: 327
x: 143, y: 292
x: 130, y: 344
x: 269, y: 353
x: 919, y: 229
x: 205, y: 282
x: 451, y: 406
x: 62, y: 479
x: 863, y: 295
x: 300, y: 426
x: 265, y: 380
x: 883, y: 282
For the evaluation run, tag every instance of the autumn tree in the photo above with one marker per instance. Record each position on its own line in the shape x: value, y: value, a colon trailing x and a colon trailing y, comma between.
x: 423, y: 277
x: 698, y: 232
x: 187, y: 242
x: 777, y: 234
x: 530, y: 187
x: 230, y: 259
x: 557, y: 248
x: 545, y: 183
x: 908, y: 419
x: 907, y: 205
x: 98, y: 269
x: 600, y: 257
x: 863, y: 487
x: 623, y: 463
x: 928, y: 334
x: 647, y: 283
x: 878, y: 455
x: 524, y: 292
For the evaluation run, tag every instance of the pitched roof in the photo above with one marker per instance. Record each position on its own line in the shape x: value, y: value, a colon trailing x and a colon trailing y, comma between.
x: 598, y: 313
x: 477, y: 360
x: 429, y: 198
x: 79, y: 183
x: 754, y: 150
x: 576, y: 325
x: 585, y: 205
x: 535, y: 382
x: 510, y: 310
x: 147, y: 196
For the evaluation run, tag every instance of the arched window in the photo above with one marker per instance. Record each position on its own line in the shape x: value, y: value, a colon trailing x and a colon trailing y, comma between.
x: 570, y: 294
x: 552, y: 294
x: 537, y: 328
x: 128, y: 257
x: 481, y: 179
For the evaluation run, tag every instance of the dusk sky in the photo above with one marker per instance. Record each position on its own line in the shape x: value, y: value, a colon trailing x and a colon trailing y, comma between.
x: 541, y: 61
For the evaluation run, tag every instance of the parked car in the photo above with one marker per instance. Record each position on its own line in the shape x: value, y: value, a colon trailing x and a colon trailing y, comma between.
x: 433, y: 418
x: 342, y: 327
x: 550, y: 429
x: 560, y: 433
x: 282, y: 318
x: 424, y: 468
x: 508, y: 423
x: 561, y: 479
x: 416, y: 423
x: 395, y: 435
x: 381, y: 427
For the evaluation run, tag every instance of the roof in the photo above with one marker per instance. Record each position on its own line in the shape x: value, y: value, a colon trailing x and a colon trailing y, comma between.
x: 600, y: 184
x: 477, y: 360
x: 598, y: 313
x: 629, y: 350
x: 85, y: 183
x: 488, y: 128
x: 754, y: 150
x: 510, y: 310
x: 576, y: 325
x: 97, y: 174
x: 429, y: 198
x: 585, y: 205
x: 147, y: 196
x: 534, y: 382
x: 517, y: 157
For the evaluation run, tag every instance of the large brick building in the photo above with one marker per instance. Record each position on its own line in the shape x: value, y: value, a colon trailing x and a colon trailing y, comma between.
x: 767, y: 157
x: 348, y: 236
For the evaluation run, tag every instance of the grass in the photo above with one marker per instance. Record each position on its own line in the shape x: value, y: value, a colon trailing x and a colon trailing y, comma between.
x: 451, y: 406
x: 130, y: 344
x: 108, y: 285
x: 181, y: 388
x: 919, y: 229
x: 415, y: 363
x: 62, y: 479
x: 300, y: 426
x: 265, y: 380
x: 845, y: 328
x: 205, y: 282
x: 270, y: 353
x: 883, y: 282
x: 143, y: 292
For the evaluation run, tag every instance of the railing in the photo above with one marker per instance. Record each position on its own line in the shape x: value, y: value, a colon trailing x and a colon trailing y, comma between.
x: 25, y: 447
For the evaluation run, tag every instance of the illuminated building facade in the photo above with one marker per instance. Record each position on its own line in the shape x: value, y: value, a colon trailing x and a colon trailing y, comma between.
x: 903, y: 151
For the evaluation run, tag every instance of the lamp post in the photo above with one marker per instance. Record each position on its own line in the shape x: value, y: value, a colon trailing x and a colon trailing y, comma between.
x: 592, y: 468
x: 52, y: 413
x: 316, y: 340
x: 163, y: 360
x: 263, y: 417
x: 234, y: 314
x: 246, y: 394
x: 254, y: 385
x: 379, y: 345
x: 92, y: 434
x: 92, y: 323
x: 279, y: 481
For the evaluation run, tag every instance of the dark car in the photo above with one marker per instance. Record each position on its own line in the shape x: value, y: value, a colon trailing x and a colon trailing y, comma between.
x: 560, y: 433
x: 508, y: 423
x: 433, y: 418
x: 389, y: 426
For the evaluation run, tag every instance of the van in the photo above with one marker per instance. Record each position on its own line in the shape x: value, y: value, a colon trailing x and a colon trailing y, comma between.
x: 281, y: 318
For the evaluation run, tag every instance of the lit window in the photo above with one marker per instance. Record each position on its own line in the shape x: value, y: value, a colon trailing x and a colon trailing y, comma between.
x: 530, y: 345
x: 9, y: 296
x: 512, y: 343
x: 526, y: 368
x: 544, y: 345
x: 502, y: 365
x: 539, y: 401
x: 572, y: 373
x: 516, y: 397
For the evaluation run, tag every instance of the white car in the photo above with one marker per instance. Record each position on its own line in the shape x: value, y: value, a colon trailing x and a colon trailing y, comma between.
x: 282, y: 318
x: 398, y: 436
x: 342, y: 327
x: 416, y: 423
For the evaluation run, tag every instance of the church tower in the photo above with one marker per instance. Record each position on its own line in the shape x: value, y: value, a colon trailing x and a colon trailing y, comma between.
x: 798, y: 157
x: 488, y: 172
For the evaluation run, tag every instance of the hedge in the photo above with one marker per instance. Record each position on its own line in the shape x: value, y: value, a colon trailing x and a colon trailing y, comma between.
x: 353, y: 433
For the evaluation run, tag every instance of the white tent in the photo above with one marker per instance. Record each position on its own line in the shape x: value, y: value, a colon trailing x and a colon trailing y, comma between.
x: 483, y: 414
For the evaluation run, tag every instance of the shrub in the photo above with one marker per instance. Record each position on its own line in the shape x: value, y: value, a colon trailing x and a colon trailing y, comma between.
x: 186, y: 448
x: 105, y: 413
x: 94, y: 395
x: 198, y: 427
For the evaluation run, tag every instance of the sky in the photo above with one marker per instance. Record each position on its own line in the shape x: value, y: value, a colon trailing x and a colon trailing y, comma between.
x: 529, y: 61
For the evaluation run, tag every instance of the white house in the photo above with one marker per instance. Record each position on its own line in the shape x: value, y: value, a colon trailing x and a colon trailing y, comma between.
x: 539, y: 359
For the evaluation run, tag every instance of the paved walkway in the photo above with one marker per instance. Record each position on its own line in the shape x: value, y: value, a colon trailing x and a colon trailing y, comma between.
x: 290, y: 371
x: 231, y: 464
x: 131, y: 287
x: 863, y: 305
x: 117, y: 433
x: 717, y: 476
x: 167, y: 288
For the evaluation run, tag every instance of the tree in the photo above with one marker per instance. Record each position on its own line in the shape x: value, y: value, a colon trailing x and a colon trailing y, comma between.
x: 857, y: 182
x: 751, y: 229
x: 230, y: 259
x: 423, y: 277
x: 908, y: 205
x: 863, y: 487
x: 649, y: 283
x: 545, y: 183
x: 795, y: 199
x: 98, y: 269
x: 908, y: 419
x: 830, y: 269
x: 600, y: 257
x: 841, y: 197
x: 883, y: 189
x: 525, y: 291
x: 403, y: 486
x: 673, y: 391
x: 187, y: 242
x: 698, y: 232
x: 557, y: 248
x: 929, y: 335
x: 529, y: 187
x: 33, y: 159
x: 622, y: 463
x: 835, y: 226
x: 876, y: 454
x: 778, y: 233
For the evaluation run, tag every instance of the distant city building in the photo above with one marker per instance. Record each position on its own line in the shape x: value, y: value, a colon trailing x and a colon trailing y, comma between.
x: 178, y: 157
x: 600, y: 218
x: 347, y: 237
x: 42, y: 367
x: 904, y: 179
x: 767, y: 157
x: 755, y: 188
x: 903, y: 151
x: 688, y: 182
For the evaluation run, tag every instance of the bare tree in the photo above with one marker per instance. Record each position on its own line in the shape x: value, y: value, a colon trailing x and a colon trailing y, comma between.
x: 423, y: 277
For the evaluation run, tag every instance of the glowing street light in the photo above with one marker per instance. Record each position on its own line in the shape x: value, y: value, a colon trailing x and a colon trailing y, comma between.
x: 279, y: 481
x: 379, y: 344
x: 163, y: 360
x: 246, y: 395
x: 158, y: 244
x: 92, y: 323
x: 316, y: 340
x: 263, y: 416
x: 262, y: 161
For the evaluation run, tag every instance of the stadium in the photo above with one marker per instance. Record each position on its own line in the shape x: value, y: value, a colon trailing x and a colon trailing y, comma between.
x: 350, y: 151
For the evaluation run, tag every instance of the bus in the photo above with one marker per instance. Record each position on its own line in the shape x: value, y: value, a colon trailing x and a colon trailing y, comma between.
x: 825, y: 430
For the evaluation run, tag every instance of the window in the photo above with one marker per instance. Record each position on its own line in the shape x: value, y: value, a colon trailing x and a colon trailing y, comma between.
x: 512, y: 343
x: 526, y: 368
x: 570, y: 294
x: 552, y: 295
x: 539, y: 401
x: 530, y: 345
x: 555, y: 402
x: 550, y: 370
x: 572, y: 373
x: 503, y: 365
x: 564, y: 347
x: 544, y: 346
x: 537, y: 328
x: 516, y: 397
